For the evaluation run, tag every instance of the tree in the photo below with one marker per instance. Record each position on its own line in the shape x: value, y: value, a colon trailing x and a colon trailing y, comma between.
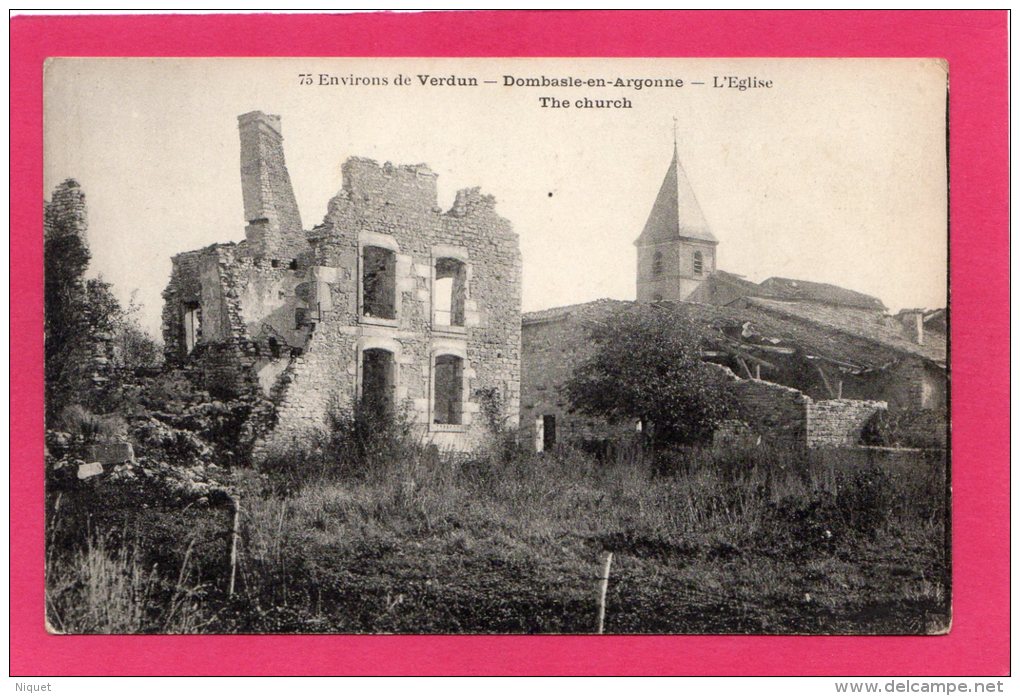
x: 646, y: 365
x: 84, y: 323
x: 134, y: 347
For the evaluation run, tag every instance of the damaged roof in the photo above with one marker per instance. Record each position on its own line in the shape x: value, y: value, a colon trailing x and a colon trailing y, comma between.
x: 879, y: 329
x: 792, y: 289
x: 560, y: 313
x: 857, y: 339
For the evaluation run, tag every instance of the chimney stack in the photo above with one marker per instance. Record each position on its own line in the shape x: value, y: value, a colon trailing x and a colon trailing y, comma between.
x: 274, y: 223
x: 913, y: 321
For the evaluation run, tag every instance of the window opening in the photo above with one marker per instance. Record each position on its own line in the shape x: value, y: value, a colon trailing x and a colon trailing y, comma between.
x: 379, y: 283
x: 447, y: 408
x: 449, y: 292
x: 548, y: 432
x: 377, y: 383
x: 192, y: 325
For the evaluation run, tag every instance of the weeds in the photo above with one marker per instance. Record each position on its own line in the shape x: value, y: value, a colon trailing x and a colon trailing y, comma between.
x: 373, y: 532
x: 101, y: 590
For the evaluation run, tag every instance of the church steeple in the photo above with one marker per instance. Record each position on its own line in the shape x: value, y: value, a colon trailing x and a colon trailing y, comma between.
x: 676, y: 248
x: 676, y: 212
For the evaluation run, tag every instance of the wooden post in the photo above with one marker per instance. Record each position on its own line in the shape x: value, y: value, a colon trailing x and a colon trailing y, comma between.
x: 603, y: 586
x: 235, y: 532
x: 825, y: 381
x: 747, y: 370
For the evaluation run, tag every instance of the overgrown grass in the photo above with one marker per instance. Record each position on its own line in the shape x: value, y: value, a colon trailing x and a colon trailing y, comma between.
x: 100, y: 590
x: 741, y: 540
x: 399, y: 538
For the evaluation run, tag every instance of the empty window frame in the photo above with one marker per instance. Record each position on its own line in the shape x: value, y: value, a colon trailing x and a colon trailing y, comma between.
x: 548, y: 432
x: 378, y: 382
x: 192, y: 325
x: 657, y: 264
x: 448, y: 390
x: 699, y: 263
x: 379, y: 283
x: 449, y: 292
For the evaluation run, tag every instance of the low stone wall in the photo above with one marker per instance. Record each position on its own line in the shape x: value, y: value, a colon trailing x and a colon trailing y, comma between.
x: 782, y: 414
x: 838, y: 422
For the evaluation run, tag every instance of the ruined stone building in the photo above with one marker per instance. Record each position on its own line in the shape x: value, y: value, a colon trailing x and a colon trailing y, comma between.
x: 813, y: 361
x: 65, y: 227
x: 389, y: 302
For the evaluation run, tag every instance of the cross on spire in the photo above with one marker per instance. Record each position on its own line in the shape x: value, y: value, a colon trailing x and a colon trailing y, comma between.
x: 675, y: 134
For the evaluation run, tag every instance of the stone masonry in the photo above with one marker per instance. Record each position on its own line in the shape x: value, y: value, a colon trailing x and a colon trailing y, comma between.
x: 555, y: 343
x: 65, y: 219
x: 778, y: 413
x: 388, y: 295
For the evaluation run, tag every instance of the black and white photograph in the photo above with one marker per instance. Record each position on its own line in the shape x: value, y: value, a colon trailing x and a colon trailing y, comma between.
x: 496, y: 346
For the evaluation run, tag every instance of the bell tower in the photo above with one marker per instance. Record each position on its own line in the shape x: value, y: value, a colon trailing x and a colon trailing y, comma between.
x: 676, y: 250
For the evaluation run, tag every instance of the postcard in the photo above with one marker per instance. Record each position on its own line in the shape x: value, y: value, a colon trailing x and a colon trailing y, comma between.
x: 509, y: 343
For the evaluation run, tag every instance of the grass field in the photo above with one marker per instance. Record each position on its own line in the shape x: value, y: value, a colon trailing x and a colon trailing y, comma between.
x: 758, y: 540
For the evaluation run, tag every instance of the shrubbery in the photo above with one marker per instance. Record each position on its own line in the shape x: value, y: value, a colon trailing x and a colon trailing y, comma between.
x: 923, y: 428
x: 647, y: 367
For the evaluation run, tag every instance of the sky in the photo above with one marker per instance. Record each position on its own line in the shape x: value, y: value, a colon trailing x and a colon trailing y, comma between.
x: 836, y: 173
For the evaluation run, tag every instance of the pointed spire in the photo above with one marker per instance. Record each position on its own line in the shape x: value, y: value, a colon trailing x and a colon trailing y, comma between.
x: 676, y: 213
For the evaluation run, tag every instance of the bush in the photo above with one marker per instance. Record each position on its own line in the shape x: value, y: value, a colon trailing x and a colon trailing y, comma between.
x: 922, y: 428
x: 646, y: 366
x: 82, y: 424
x: 859, y: 506
x: 161, y: 441
x: 369, y: 434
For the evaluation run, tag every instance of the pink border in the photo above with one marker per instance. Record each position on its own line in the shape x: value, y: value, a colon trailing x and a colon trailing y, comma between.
x: 974, y: 44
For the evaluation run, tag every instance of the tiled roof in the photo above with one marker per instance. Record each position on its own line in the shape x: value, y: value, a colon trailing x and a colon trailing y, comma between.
x: 862, y: 338
x: 791, y: 289
x: 872, y: 326
x: 721, y: 287
x: 559, y: 313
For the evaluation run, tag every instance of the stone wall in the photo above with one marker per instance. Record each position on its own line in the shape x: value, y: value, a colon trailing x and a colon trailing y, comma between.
x: 838, y: 422
x: 65, y: 213
x: 224, y: 357
x: 284, y: 311
x: 65, y: 227
x: 778, y: 413
x: 553, y: 343
x: 396, y: 208
x: 775, y: 412
x: 908, y: 384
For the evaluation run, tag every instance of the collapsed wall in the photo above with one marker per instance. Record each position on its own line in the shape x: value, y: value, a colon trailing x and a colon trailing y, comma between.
x: 777, y: 413
x: 65, y: 226
x: 441, y: 362
x: 389, y: 299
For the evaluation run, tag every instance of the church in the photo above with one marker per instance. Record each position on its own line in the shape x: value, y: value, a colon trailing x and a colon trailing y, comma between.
x: 813, y: 361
